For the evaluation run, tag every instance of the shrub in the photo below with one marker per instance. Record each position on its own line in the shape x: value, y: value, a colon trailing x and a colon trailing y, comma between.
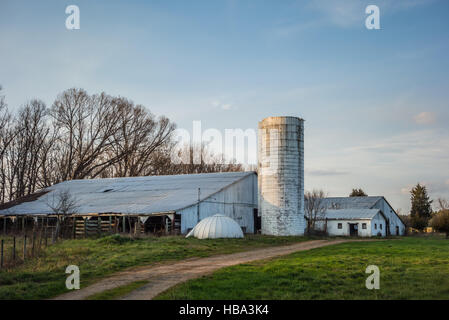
x: 115, y: 239
x: 440, y: 222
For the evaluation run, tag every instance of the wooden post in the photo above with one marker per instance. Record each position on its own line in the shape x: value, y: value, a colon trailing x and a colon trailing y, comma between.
x: 74, y: 227
x: 124, y: 224
x: 14, y: 248
x: 40, y: 241
x: 85, y: 227
x: 198, y: 206
x: 32, y: 244
x: 23, y: 224
x: 1, y: 254
x: 110, y: 224
x: 24, y: 247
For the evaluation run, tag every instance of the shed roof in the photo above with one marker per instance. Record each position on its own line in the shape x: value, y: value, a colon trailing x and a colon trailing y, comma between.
x: 136, y: 195
x: 351, y: 202
x: 350, y: 214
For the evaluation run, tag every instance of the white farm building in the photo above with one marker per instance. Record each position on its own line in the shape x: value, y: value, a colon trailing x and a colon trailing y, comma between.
x: 359, y: 216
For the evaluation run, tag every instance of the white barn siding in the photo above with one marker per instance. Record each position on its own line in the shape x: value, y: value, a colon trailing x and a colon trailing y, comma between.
x: 393, y: 218
x: 236, y: 201
x: 370, y: 231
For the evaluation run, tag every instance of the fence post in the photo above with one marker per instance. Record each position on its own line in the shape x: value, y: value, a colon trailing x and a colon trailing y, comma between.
x: 32, y: 246
x: 24, y: 247
x: 74, y: 227
x: 1, y: 258
x: 14, y: 248
x: 85, y: 227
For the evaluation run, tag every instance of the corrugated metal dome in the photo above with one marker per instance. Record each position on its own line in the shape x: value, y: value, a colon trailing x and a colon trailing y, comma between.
x: 217, y: 226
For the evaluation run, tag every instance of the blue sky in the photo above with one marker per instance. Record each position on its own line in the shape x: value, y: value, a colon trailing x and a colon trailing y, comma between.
x: 376, y: 102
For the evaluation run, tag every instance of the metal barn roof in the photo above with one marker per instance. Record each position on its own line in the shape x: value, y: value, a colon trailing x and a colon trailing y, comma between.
x: 350, y: 214
x: 136, y: 195
x: 351, y: 202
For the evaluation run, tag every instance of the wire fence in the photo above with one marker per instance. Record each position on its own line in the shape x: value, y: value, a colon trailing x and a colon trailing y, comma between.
x: 16, y: 249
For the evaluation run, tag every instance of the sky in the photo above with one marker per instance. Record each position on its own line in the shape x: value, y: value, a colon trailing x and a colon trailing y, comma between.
x: 376, y: 102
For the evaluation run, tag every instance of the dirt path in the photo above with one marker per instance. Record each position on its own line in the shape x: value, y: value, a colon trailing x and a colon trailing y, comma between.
x: 162, y: 277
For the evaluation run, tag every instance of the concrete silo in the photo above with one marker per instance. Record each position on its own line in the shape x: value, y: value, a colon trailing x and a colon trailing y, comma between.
x: 281, y: 175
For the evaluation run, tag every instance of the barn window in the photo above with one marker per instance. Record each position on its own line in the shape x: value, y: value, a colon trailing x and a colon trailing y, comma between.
x: 340, y: 226
x: 380, y: 226
x: 375, y: 226
x: 363, y: 225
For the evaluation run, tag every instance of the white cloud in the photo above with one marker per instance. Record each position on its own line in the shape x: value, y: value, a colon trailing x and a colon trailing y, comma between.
x: 223, y: 106
x: 425, y: 118
x: 326, y: 172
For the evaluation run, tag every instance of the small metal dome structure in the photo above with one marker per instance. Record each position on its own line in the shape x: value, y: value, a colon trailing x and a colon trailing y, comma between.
x: 217, y: 226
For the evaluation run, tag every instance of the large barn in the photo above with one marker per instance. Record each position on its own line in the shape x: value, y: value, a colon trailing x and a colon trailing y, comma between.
x: 150, y: 204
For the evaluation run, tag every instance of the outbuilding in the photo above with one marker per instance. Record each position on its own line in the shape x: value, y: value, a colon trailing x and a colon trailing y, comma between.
x: 353, y: 222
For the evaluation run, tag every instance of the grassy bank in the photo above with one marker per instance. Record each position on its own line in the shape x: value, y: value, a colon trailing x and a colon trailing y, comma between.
x: 44, y: 276
x: 410, y: 268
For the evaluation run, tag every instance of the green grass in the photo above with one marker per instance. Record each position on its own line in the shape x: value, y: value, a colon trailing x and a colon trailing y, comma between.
x: 44, y: 277
x: 410, y: 268
x: 118, y: 292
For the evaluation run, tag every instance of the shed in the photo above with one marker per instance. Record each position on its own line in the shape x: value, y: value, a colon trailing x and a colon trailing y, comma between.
x: 353, y: 222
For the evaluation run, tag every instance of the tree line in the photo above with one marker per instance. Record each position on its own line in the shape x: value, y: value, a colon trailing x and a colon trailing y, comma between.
x: 83, y: 136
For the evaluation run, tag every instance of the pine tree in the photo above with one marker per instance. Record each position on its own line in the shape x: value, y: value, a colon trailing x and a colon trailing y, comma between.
x: 421, y: 210
x: 358, y: 193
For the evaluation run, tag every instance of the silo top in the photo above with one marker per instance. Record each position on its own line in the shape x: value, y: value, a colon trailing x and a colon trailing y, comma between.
x: 270, y: 121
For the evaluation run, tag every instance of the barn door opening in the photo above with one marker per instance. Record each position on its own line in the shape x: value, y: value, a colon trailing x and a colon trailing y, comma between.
x: 257, y: 221
x: 353, y: 229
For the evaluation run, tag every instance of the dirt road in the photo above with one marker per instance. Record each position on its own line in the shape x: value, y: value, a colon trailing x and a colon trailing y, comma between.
x: 164, y: 276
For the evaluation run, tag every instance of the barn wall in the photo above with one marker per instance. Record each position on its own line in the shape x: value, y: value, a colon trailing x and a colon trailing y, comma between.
x: 391, y: 216
x: 375, y: 225
x: 332, y: 227
x: 237, y: 201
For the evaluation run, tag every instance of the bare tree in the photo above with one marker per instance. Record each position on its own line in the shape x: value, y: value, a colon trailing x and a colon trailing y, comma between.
x: 199, y: 159
x: 443, y: 204
x: 6, y: 136
x: 87, y: 125
x: 314, y: 207
x: 62, y: 203
x: 138, y: 139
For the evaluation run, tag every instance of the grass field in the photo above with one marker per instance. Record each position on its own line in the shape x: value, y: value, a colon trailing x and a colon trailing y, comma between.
x: 44, y: 276
x: 410, y: 268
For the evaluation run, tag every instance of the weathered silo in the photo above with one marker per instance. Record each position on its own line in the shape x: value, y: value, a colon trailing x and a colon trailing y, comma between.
x: 281, y: 175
